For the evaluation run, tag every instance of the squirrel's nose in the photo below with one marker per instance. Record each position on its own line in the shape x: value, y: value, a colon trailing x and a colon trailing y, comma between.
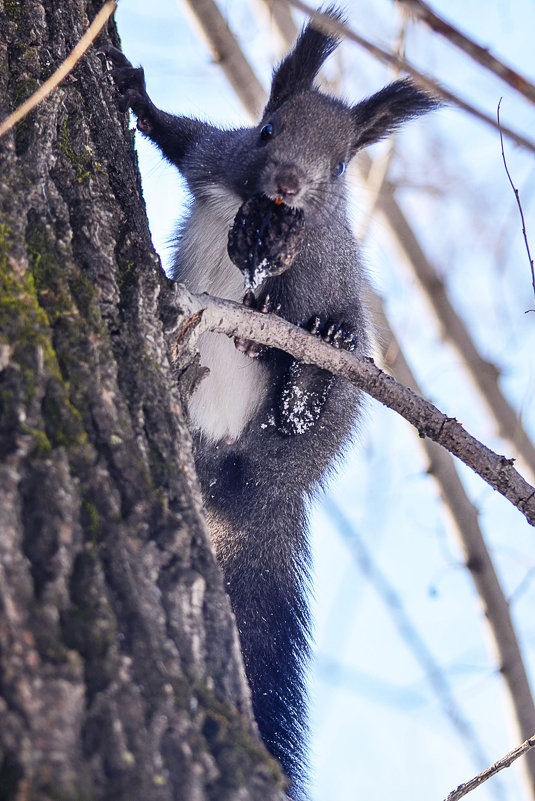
x: 287, y: 181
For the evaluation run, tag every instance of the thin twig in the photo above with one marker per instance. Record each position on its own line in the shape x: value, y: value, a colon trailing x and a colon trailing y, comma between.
x: 227, y: 317
x: 504, y: 762
x: 478, y: 53
x: 517, y: 195
x: 334, y: 26
x: 63, y: 70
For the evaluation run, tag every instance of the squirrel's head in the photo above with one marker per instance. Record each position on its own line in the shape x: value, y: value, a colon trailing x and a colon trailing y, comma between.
x: 306, y: 138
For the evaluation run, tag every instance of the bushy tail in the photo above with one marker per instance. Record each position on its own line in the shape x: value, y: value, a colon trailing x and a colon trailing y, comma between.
x: 261, y: 546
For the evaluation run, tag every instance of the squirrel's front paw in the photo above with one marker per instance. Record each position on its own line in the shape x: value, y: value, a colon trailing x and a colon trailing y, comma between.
x: 333, y: 333
x: 265, y: 306
x: 130, y: 83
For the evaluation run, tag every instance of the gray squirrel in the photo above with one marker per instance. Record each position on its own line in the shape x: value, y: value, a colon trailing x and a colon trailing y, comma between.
x: 268, y: 430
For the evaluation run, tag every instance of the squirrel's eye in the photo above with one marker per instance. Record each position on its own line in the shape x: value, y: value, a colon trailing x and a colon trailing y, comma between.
x: 339, y: 169
x: 266, y: 132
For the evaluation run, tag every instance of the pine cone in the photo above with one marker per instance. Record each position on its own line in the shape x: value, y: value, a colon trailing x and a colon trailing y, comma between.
x: 264, y: 238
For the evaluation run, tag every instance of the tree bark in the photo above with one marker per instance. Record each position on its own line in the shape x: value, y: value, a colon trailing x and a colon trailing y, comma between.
x: 120, y: 672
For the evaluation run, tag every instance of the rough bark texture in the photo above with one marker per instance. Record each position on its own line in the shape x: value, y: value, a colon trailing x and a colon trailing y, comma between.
x: 120, y: 675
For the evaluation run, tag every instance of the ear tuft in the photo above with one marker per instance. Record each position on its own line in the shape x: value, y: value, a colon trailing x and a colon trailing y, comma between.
x: 385, y: 111
x: 296, y: 72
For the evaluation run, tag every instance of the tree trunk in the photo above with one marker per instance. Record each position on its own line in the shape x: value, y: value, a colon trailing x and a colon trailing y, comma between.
x: 120, y: 673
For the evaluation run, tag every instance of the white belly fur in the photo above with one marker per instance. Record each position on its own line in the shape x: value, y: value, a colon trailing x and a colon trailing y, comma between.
x: 229, y: 395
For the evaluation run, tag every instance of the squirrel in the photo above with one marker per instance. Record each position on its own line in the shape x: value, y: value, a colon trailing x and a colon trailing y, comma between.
x: 268, y: 429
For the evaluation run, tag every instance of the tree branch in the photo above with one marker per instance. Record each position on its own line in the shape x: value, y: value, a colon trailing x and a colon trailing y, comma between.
x: 220, y: 39
x: 505, y: 762
x: 205, y: 313
x: 479, y: 54
x: 63, y: 70
x: 517, y: 196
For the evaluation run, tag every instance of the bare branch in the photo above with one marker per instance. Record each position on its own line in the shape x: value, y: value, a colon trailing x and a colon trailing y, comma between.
x: 517, y: 196
x: 331, y: 25
x: 227, y: 317
x: 63, y: 70
x: 465, y: 520
x: 281, y: 15
x: 480, y: 54
x: 504, y: 762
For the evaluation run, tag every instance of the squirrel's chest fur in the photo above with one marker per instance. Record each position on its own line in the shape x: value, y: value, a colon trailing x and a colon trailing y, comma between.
x: 229, y: 395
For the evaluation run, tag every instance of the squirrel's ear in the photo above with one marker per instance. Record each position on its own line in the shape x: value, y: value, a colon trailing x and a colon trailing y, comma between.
x: 296, y: 72
x: 383, y: 112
